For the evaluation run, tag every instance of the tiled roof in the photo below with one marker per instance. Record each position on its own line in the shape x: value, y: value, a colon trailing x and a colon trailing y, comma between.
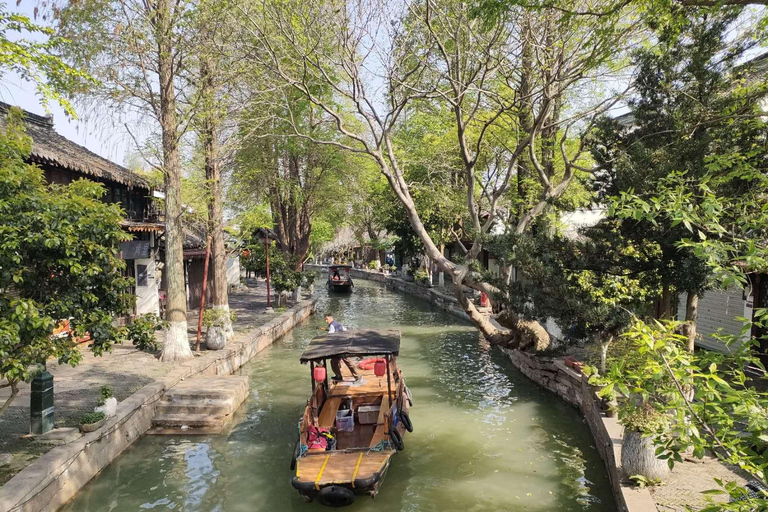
x: 48, y: 147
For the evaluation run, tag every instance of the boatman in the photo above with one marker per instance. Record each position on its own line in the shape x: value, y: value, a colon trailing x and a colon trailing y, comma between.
x: 334, y: 326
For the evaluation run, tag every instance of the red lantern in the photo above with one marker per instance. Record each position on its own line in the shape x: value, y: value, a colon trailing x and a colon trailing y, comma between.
x: 483, y: 300
x: 319, y: 373
x: 380, y: 368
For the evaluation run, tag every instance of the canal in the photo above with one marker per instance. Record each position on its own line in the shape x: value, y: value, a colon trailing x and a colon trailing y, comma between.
x: 485, y: 438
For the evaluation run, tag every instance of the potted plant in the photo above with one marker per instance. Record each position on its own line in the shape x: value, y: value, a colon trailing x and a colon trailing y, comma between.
x: 642, y: 422
x: 92, y: 421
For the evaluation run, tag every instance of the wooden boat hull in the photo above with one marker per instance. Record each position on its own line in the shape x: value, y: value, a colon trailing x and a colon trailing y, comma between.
x: 331, y: 483
x: 340, y: 287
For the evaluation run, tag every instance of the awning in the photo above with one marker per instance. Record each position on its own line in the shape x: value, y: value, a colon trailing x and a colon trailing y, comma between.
x: 134, y: 226
x: 353, y: 343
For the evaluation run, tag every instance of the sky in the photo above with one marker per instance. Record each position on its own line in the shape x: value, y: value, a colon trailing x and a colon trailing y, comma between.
x: 109, y: 141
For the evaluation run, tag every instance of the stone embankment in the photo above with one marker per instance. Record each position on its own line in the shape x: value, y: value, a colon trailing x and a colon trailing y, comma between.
x: 554, y: 375
x: 54, y: 479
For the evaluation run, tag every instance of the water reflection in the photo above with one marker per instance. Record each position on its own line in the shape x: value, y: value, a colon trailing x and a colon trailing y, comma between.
x: 485, y: 439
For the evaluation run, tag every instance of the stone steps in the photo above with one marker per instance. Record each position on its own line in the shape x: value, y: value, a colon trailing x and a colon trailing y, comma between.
x: 200, y: 404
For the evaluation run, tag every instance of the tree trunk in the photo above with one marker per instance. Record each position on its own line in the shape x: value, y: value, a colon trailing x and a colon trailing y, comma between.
x: 666, y: 302
x: 14, y: 385
x: 221, y: 330
x: 176, y: 344
x: 691, y: 316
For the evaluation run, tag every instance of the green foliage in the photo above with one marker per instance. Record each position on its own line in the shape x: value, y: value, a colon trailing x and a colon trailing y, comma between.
x: 373, y: 265
x: 38, y: 62
x: 699, y: 401
x: 59, y: 249
x: 141, y: 331
x: 642, y: 482
x: 216, y: 317
x: 91, y: 418
x: 421, y: 276
x: 105, y: 394
x: 282, y: 273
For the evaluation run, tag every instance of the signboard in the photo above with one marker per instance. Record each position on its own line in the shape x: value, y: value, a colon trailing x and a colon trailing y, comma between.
x: 135, y: 249
x: 141, y: 275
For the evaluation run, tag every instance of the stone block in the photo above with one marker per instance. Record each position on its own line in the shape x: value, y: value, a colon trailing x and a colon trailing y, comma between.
x: 59, y: 436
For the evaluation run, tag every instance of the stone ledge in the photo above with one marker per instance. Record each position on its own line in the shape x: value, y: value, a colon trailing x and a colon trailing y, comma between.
x: 53, y: 479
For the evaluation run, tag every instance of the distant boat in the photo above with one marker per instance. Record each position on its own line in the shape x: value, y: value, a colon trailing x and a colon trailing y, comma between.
x: 339, y: 278
x: 350, y: 430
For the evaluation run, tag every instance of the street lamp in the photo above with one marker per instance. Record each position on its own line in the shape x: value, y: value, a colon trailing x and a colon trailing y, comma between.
x: 265, y: 235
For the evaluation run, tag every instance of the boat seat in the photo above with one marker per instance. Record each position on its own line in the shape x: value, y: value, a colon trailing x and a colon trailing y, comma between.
x: 381, y: 433
x: 328, y: 412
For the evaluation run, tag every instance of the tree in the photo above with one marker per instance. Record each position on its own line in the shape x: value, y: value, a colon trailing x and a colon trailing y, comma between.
x: 695, y: 105
x: 300, y: 181
x: 59, y: 249
x: 37, y: 62
x: 455, y: 56
x: 138, y: 51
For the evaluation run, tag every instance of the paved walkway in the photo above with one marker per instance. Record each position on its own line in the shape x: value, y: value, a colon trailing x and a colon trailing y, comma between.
x: 684, y: 486
x: 125, y: 370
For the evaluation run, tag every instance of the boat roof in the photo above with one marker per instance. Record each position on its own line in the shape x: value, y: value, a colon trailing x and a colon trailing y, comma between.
x: 339, y: 266
x: 362, y: 342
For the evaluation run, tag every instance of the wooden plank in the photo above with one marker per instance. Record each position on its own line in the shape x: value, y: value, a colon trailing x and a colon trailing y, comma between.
x: 381, y: 433
x: 340, y: 466
x: 328, y: 412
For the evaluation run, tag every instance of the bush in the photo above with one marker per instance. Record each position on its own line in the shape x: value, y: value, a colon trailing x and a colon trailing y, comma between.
x: 215, y: 317
x: 422, y: 277
x: 106, y: 394
x: 373, y: 265
x: 92, y: 417
x: 141, y: 331
x: 308, y: 278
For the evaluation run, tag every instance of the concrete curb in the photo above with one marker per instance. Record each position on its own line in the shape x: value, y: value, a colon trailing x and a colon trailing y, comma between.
x: 55, y: 478
x: 555, y: 376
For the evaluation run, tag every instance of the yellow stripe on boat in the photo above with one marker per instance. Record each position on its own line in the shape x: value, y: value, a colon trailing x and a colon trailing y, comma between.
x: 320, y: 473
x: 357, y: 468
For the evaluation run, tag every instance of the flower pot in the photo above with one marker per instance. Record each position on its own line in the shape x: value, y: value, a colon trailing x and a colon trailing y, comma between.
x: 90, y: 427
x: 638, y: 457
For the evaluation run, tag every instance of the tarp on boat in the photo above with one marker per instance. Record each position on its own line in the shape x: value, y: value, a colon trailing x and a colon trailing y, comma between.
x: 353, y: 343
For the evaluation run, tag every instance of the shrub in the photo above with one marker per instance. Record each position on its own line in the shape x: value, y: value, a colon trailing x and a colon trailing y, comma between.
x: 106, y: 394
x: 92, y: 417
x: 422, y: 277
x: 373, y: 265
x: 141, y: 331
x: 215, y: 317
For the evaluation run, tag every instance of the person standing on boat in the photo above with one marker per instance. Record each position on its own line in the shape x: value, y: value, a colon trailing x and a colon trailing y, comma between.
x: 334, y: 326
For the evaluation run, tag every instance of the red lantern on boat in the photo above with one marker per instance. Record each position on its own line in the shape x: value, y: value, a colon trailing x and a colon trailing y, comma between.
x: 380, y: 368
x: 483, y: 300
x: 319, y: 374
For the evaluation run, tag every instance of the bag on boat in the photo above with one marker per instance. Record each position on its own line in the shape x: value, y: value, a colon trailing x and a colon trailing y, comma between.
x: 319, y: 439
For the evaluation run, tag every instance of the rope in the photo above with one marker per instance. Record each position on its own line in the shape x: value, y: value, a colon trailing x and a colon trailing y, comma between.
x: 302, y: 447
x: 381, y: 446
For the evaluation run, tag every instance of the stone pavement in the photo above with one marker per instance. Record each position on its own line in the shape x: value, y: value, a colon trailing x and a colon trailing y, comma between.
x: 684, y: 486
x: 125, y: 370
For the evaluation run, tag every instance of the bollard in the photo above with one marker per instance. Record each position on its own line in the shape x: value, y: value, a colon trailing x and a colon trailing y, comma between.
x: 41, y: 404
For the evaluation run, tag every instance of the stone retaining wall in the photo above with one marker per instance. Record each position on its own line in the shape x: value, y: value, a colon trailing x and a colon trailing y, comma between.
x: 52, y: 480
x: 555, y: 376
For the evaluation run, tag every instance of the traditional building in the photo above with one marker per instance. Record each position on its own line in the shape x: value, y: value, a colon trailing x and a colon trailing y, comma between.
x: 64, y: 161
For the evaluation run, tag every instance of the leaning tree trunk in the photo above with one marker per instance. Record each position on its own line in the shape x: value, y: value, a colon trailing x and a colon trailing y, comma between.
x: 221, y: 328
x: 691, y: 317
x: 176, y: 344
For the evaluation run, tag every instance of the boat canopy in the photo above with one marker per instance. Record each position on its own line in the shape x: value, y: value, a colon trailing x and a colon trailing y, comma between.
x: 353, y: 343
x: 340, y: 267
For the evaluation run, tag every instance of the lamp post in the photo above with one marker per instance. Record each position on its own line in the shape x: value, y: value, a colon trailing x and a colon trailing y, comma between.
x: 267, y: 234
x: 41, y: 403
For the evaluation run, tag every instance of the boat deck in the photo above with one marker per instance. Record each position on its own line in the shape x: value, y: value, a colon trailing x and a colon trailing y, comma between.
x: 326, y: 468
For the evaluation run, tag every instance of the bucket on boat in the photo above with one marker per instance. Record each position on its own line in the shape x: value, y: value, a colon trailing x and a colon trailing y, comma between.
x: 380, y: 368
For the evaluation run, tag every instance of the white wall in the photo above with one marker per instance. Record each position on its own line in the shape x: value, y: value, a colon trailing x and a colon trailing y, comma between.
x: 233, y: 271
x: 147, y: 297
x: 718, y: 310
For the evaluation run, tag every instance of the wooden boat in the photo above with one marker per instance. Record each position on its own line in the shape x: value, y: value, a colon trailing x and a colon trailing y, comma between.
x: 339, y: 278
x: 363, y: 423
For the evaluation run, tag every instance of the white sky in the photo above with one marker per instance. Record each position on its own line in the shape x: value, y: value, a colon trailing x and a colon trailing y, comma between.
x: 111, y: 142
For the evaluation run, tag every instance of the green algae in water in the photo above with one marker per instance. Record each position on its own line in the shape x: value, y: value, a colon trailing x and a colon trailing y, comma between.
x: 486, y: 439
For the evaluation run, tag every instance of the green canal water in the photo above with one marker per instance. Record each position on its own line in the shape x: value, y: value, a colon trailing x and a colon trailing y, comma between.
x: 485, y: 438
